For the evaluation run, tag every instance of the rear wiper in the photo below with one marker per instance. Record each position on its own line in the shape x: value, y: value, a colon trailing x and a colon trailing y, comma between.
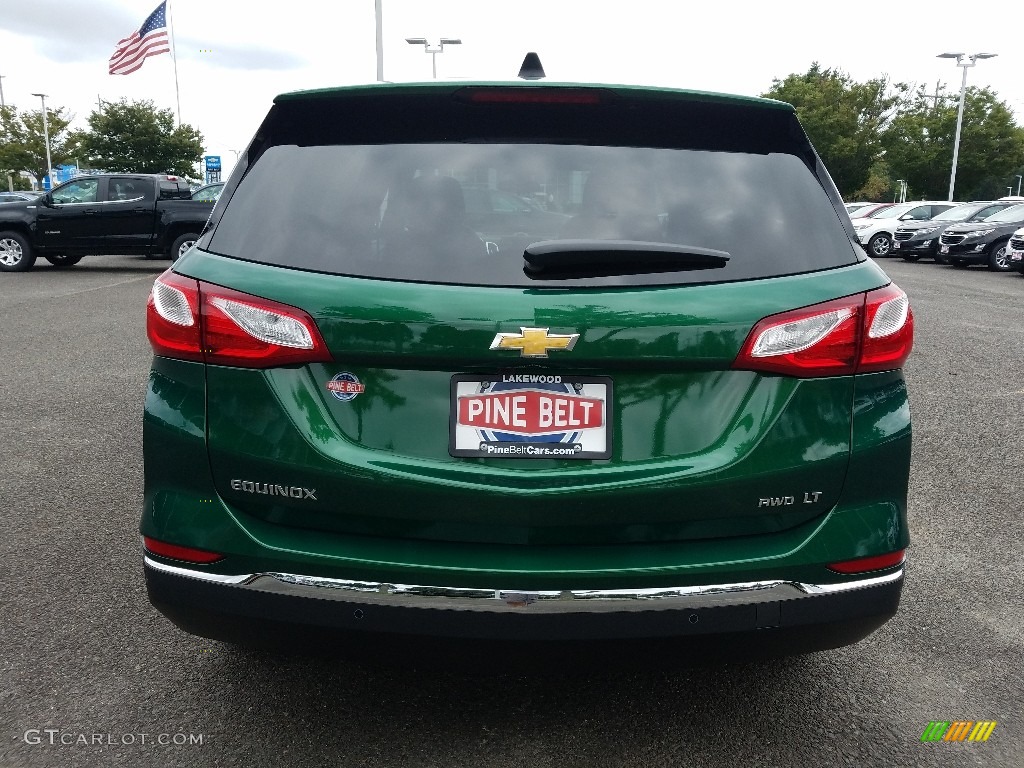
x: 618, y: 257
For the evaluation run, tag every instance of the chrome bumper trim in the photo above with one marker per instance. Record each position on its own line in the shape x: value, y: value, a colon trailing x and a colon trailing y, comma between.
x: 544, y: 601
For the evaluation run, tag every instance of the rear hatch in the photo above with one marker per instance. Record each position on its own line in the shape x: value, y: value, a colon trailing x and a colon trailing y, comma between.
x: 568, y: 381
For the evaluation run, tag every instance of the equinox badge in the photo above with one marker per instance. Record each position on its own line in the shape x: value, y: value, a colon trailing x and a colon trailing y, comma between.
x: 270, y: 489
x: 534, y: 342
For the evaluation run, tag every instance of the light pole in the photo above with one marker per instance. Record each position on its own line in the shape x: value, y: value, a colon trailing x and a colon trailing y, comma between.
x: 433, y: 51
x: 10, y: 180
x: 962, y: 60
x: 379, y: 19
x: 46, y: 136
x: 1019, y: 177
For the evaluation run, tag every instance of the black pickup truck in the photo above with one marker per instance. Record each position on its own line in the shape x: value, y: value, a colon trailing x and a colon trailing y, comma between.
x: 146, y: 214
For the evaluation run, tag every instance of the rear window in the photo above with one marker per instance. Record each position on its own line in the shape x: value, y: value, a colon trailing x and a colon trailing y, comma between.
x: 1008, y: 215
x: 464, y: 212
x: 174, y: 190
x: 126, y: 189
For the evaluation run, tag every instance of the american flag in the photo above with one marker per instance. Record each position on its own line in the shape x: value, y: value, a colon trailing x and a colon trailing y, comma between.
x: 149, y: 40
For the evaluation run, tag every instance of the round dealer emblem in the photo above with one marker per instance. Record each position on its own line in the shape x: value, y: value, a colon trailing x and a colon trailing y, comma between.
x: 345, y: 386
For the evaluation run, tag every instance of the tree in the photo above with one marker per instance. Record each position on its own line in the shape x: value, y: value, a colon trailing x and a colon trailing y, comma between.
x: 879, y: 184
x: 843, y: 119
x: 919, y: 145
x: 137, y: 137
x: 23, y: 144
x: 17, y: 182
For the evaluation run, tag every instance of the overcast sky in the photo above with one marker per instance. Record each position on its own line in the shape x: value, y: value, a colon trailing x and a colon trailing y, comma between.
x: 234, y: 56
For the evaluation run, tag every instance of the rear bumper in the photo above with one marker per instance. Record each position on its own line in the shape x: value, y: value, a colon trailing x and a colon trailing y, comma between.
x: 791, y: 616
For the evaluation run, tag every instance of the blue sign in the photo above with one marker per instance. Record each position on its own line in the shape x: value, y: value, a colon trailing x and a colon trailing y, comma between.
x: 66, y: 173
x: 213, y: 162
x: 46, y: 182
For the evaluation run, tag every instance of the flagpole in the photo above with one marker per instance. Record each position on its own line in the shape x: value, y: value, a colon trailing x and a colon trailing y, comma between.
x: 174, y: 57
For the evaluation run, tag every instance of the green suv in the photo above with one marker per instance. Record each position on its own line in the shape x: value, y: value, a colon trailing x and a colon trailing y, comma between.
x: 667, y: 403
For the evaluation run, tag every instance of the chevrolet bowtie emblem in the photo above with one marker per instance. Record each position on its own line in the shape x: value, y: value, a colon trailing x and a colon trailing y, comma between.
x: 534, y: 342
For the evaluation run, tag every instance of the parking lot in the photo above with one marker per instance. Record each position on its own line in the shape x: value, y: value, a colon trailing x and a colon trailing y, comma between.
x: 91, y: 675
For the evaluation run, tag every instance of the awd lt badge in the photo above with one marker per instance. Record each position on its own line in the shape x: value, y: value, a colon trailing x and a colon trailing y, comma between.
x: 534, y: 342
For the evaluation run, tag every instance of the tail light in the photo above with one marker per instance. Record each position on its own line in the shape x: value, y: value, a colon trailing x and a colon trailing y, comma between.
x: 172, y: 317
x: 866, y: 564
x: 531, y: 95
x: 188, y: 319
x: 889, y: 335
x: 862, y: 333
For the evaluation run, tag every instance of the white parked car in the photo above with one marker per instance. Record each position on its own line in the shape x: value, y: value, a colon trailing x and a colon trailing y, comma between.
x: 862, y: 208
x: 1015, y: 251
x: 876, y: 230
x: 18, y: 197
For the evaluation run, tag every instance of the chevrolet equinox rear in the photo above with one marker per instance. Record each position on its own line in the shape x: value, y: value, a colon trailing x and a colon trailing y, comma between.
x: 528, y: 362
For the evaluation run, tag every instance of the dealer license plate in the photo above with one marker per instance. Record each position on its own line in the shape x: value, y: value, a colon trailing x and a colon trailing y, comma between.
x: 530, y: 416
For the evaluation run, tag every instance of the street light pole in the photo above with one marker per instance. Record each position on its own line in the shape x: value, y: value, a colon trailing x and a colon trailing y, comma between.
x: 902, y: 194
x: 433, y: 51
x: 1019, y: 177
x: 46, y: 136
x: 3, y: 105
x: 962, y: 60
x: 380, y: 40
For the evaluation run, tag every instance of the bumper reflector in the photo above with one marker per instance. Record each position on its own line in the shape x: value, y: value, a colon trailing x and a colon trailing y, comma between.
x: 175, y: 552
x: 865, y: 564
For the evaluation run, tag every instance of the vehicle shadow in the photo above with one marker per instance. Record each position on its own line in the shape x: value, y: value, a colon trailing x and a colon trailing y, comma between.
x: 603, y: 707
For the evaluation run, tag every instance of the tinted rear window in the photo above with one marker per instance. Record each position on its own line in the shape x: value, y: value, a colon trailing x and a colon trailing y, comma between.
x: 1008, y: 215
x: 174, y: 190
x: 463, y: 212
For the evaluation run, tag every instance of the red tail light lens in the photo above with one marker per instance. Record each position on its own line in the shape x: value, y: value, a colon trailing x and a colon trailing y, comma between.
x: 889, y: 330
x: 172, y: 317
x: 530, y: 95
x: 175, y: 552
x: 815, y: 341
x: 865, y: 564
x: 246, y: 331
x: 856, y: 334
x: 191, y: 320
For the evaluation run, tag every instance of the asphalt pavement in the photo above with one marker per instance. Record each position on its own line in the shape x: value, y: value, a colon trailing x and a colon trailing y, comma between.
x: 91, y: 675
